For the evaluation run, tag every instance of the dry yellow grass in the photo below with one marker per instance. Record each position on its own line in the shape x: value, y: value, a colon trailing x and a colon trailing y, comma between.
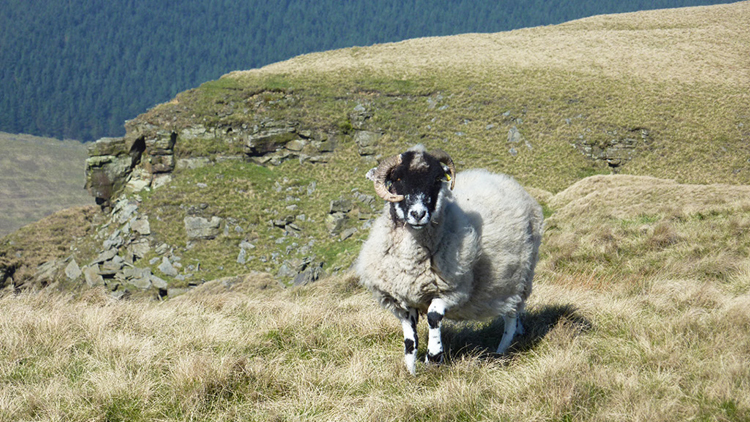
x: 676, y: 349
x: 664, y: 45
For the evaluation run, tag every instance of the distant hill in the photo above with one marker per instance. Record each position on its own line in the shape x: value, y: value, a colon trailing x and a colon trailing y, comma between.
x: 78, y: 69
x: 38, y: 176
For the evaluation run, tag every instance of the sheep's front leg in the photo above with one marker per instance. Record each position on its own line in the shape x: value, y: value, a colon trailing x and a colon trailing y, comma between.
x: 411, y: 341
x: 435, y: 315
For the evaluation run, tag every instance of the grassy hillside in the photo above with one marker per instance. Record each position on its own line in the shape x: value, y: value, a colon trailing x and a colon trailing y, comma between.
x: 612, y: 335
x: 38, y: 176
x: 631, y: 129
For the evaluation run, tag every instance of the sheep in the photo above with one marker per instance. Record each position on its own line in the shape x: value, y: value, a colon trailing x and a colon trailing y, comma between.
x: 463, y: 254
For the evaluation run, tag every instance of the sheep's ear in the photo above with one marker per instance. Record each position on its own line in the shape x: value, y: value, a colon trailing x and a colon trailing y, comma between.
x: 371, y: 174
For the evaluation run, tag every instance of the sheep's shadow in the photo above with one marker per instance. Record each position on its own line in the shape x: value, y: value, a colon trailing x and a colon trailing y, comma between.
x: 476, y: 339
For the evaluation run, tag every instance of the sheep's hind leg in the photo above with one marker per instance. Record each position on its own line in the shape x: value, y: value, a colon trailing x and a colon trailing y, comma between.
x: 435, y: 314
x: 512, y: 325
x: 411, y: 341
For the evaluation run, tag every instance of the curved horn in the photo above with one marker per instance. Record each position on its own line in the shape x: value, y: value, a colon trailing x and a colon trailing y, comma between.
x: 446, y: 159
x: 379, y: 175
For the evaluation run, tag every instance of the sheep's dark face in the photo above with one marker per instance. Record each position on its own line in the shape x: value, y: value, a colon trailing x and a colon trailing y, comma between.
x: 419, y: 178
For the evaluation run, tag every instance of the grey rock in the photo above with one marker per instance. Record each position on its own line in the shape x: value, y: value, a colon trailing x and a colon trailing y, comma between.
x: 246, y: 245
x: 311, y: 188
x: 242, y: 257
x: 142, y: 283
x: 176, y: 291
x: 158, y: 282
x: 282, y: 222
x: 514, y: 135
x: 141, y: 226
x: 270, y: 138
x: 105, y: 256
x: 335, y: 222
x: 119, y: 294
x: 139, y: 248
x: 113, y: 243
x: 92, y: 277
x: 348, y: 233
x: 296, y: 145
x: 366, y: 142
x: 363, y: 198
x: 107, y: 146
x: 310, y: 274
x: 107, y: 175
x: 127, y: 212
x: 290, y: 268
x: 72, y: 270
x: 340, y: 205
x: 166, y: 268
x: 201, y: 228
x: 110, y: 268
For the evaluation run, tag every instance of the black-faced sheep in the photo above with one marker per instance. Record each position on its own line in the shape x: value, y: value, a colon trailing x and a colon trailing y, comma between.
x: 463, y: 253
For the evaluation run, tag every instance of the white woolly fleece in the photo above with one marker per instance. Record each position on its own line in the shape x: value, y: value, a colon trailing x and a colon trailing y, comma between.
x: 478, y: 254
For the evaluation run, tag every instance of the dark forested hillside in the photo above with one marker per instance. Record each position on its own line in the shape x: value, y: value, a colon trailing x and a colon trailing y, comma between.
x: 79, y: 68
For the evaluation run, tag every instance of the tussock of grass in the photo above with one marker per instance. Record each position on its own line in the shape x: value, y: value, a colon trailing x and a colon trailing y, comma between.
x: 617, y: 226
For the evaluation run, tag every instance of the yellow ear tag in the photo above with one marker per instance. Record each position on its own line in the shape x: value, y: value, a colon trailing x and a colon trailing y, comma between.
x: 448, y: 177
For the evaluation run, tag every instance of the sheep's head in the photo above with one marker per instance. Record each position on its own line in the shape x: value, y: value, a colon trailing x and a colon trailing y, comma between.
x: 412, y: 183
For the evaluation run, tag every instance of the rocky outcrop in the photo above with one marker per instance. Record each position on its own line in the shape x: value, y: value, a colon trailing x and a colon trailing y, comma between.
x: 133, y: 162
x: 614, y: 146
x: 145, y: 157
x: 108, y: 168
x: 274, y: 142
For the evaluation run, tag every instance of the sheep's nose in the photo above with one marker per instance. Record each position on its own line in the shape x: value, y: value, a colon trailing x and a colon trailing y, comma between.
x: 418, y: 214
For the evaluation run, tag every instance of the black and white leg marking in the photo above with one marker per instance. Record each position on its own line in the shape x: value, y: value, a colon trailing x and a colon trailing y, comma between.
x: 435, y: 314
x: 411, y: 341
x: 512, y: 325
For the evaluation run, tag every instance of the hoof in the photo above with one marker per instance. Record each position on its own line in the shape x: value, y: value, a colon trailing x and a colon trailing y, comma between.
x: 434, y: 359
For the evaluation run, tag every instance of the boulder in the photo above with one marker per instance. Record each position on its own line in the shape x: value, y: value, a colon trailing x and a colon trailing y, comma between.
x: 158, y: 282
x: 72, y: 270
x: 366, y: 142
x: 92, y: 276
x: 105, y: 256
x: 201, y: 228
x: 269, y: 138
x: 139, y: 248
x: 141, y: 226
x: 340, y: 205
x: 335, y: 222
x: 310, y: 274
x: 167, y: 268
